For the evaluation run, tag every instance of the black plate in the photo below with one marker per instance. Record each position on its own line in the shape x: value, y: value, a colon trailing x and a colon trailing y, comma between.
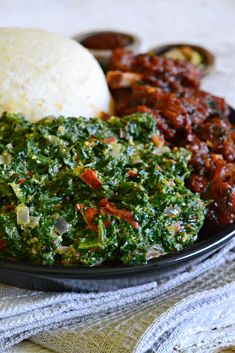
x: 107, y: 277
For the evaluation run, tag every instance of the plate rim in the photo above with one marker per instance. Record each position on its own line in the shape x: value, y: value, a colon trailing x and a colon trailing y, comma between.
x: 165, y: 261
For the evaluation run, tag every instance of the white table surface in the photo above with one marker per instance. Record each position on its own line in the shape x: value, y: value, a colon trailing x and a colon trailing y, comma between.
x: 207, y: 22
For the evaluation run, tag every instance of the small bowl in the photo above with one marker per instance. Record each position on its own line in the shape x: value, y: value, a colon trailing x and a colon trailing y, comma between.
x: 103, y: 55
x: 208, y: 59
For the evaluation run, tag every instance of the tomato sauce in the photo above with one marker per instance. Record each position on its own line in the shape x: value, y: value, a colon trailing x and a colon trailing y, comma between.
x: 106, y: 41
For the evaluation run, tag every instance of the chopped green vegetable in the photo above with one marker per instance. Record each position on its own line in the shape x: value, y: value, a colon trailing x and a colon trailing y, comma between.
x: 79, y: 191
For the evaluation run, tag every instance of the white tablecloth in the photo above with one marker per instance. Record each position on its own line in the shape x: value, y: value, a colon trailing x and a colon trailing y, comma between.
x: 207, y: 22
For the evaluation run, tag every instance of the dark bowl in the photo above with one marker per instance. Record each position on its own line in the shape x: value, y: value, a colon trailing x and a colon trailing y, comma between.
x: 103, y: 55
x: 110, y: 277
x: 208, y: 58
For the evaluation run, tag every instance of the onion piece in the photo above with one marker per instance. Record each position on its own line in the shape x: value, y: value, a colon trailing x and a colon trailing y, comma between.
x: 34, y: 221
x: 61, y: 226
x: 116, y: 150
x: 22, y: 215
x: 155, y: 251
x: 172, y: 211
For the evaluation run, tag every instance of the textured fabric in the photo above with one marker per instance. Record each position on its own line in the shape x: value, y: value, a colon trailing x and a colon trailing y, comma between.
x: 30, y: 347
x: 147, y: 318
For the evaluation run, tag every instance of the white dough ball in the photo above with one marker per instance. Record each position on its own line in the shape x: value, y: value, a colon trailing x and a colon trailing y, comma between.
x: 43, y: 74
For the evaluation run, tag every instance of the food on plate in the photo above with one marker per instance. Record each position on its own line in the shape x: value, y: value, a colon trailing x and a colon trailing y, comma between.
x: 83, y: 191
x: 44, y: 74
x: 185, y: 116
x: 79, y: 191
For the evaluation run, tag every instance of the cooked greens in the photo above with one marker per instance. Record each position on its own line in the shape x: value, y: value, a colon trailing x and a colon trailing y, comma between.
x: 83, y: 191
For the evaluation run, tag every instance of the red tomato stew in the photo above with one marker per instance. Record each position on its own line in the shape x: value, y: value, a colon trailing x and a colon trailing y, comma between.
x: 169, y: 89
